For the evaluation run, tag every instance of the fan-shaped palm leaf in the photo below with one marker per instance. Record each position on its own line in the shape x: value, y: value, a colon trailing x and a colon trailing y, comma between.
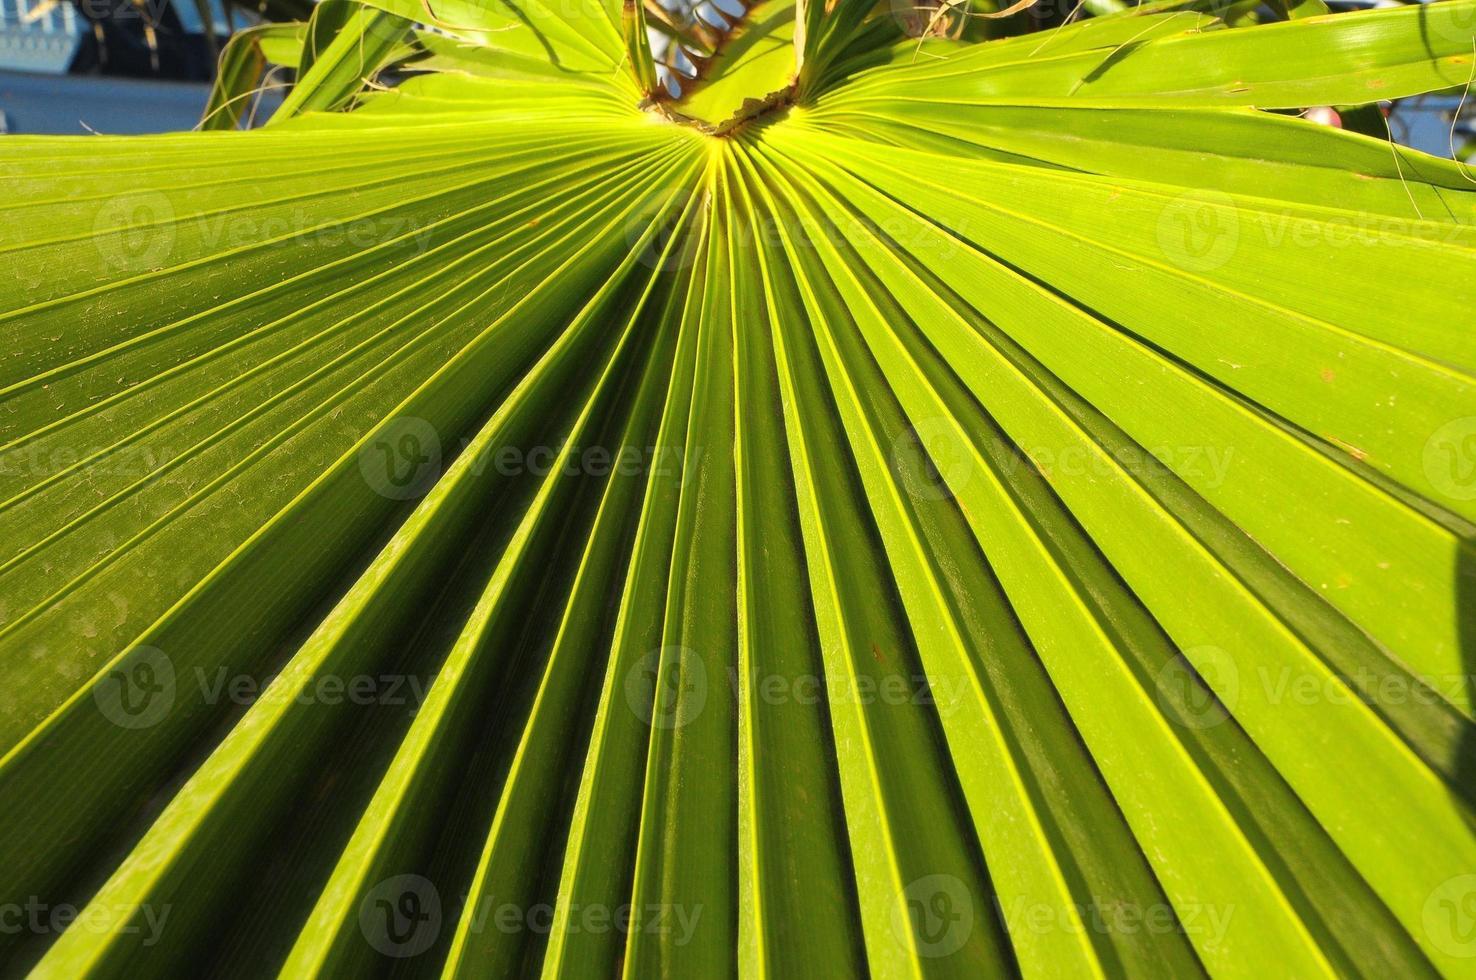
x: 908, y: 509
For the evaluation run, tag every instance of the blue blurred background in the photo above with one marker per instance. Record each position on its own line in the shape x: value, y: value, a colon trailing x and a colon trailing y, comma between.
x: 111, y: 66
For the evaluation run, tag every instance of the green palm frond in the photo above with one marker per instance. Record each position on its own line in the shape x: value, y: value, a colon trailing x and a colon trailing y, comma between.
x: 910, y: 507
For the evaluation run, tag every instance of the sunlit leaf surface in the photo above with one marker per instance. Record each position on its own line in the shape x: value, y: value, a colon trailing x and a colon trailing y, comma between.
x: 987, y: 509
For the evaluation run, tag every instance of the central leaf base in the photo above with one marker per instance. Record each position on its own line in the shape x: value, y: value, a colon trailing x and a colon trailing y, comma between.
x: 749, y: 112
x: 751, y: 65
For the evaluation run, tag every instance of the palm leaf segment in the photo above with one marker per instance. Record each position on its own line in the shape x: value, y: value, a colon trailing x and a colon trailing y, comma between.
x: 996, y: 508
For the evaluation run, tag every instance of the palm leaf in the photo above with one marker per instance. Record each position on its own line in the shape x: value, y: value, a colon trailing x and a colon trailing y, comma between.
x: 906, y: 508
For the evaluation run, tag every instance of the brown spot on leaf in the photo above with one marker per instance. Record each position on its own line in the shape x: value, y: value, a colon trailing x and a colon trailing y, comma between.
x: 1350, y: 449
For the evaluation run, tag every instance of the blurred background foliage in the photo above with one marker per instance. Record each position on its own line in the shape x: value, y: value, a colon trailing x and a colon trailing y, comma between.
x: 129, y: 66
